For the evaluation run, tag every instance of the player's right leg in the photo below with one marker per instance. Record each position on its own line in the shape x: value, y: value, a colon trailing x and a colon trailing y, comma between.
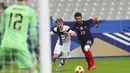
x: 88, y: 55
x: 56, y: 53
x: 62, y: 63
x: 65, y: 55
x: 88, y: 45
x: 24, y: 60
x: 5, y: 57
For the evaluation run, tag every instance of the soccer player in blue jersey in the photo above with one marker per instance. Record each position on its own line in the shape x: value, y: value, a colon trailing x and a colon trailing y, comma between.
x: 82, y: 28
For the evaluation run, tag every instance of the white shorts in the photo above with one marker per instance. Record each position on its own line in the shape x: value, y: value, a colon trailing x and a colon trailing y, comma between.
x: 64, y: 50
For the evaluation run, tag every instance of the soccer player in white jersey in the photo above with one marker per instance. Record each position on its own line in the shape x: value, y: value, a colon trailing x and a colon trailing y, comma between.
x: 63, y: 43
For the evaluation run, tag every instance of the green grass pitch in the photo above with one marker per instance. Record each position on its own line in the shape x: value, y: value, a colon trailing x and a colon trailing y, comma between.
x: 103, y: 65
x: 14, y: 69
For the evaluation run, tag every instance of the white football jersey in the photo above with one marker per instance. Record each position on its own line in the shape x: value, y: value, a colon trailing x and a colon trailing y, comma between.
x: 62, y: 37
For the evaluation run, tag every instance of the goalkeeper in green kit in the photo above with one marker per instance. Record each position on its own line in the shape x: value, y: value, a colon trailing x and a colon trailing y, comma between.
x: 16, y: 21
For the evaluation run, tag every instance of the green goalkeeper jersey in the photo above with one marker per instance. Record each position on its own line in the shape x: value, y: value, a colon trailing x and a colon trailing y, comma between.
x: 15, y: 23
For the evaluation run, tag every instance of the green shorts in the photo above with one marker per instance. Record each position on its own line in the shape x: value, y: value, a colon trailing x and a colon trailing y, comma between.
x: 23, y: 58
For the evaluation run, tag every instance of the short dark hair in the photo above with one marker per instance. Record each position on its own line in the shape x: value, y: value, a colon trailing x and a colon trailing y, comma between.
x: 77, y: 14
x: 59, y: 20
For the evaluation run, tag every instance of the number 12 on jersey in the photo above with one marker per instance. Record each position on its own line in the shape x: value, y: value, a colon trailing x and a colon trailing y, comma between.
x: 15, y: 23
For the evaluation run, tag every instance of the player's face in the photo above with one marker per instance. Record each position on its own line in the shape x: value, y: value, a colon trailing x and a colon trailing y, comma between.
x: 79, y: 19
x: 60, y: 25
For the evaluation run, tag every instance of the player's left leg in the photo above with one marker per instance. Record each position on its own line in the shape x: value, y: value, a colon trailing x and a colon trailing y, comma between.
x: 55, y: 56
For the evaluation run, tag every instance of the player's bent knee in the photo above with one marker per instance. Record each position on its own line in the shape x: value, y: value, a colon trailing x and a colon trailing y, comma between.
x: 55, y: 56
x: 87, y: 47
x: 63, y: 63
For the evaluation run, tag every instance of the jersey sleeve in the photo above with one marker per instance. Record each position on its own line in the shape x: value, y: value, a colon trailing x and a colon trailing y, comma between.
x: 33, y: 30
x: 68, y: 29
x: 74, y: 27
x: 2, y: 24
x: 53, y: 31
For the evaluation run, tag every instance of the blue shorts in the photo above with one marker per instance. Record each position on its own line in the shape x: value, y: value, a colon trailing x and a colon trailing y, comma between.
x: 87, y: 42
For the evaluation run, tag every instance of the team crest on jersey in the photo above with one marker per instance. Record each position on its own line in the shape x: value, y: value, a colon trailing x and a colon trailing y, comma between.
x: 81, y: 28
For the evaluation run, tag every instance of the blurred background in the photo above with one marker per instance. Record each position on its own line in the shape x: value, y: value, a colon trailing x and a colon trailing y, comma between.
x: 5, y: 3
x: 103, y: 9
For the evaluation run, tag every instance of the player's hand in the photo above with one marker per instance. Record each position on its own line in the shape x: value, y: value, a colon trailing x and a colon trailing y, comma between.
x: 67, y: 33
x: 97, y: 24
x: 95, y: 19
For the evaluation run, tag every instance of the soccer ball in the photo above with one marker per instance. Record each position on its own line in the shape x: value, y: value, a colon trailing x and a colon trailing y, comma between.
x: 79, y: 69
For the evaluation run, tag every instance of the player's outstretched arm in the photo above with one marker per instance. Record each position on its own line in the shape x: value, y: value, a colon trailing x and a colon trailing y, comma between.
x: 96, y: 21
x: 72, y: 33
x: 33, y: 37
x: 33, y: 30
